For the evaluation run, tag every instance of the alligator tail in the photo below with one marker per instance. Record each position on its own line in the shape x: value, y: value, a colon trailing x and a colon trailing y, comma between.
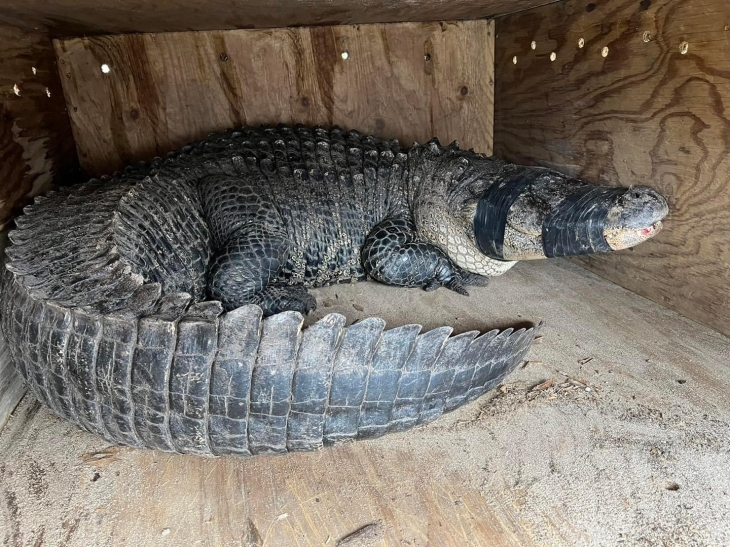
x: 192, y: 379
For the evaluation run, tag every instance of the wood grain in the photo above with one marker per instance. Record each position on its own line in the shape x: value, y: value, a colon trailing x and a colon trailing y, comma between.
x: 36, y: 144
x: 299, y: 501
x: 88, y: 17
x: 11, y: 384
x: 12, y: 388
x: 410, y: 81
x: 644, y: 114
x: 305, y: 500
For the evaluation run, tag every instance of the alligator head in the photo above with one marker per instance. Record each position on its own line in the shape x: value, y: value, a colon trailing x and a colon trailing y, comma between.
x: 537, y: 213
x: 487, y: 214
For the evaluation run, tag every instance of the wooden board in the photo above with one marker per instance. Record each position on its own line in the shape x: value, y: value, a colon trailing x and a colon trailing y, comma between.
x: 644, y: 114
x: 550, y: 466
x: 77, y: 17
x: 11, y: 383
x: 306, y: 500
x: 36, y: 144
x: 410, y: 81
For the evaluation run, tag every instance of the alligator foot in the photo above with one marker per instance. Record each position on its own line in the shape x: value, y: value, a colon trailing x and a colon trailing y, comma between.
x: 469, y: 279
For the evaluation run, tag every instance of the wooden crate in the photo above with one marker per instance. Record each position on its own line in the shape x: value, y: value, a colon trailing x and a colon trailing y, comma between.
x: 617, y: 91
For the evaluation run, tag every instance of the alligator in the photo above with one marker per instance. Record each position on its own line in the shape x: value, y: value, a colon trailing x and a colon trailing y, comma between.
x: 163, y: 306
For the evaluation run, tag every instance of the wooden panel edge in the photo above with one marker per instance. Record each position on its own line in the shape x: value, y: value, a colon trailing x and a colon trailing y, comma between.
x: 91, y: 17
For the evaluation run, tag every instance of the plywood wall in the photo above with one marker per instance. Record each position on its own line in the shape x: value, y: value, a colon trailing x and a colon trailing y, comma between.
x: 410, y: 81
x: 87, y: 17
x: 36, y: 145
x: 651, y: 108
x: 11, y: 383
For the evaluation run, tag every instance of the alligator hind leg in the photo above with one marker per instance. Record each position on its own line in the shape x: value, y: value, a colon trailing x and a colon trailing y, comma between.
x: 244, y: 268
x: 252, y: 245
x: 245, y: 265
x: 393, y: 255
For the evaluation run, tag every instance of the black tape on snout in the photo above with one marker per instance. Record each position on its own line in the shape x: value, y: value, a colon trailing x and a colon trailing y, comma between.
x: 490, y: 219
x: 576, y: 225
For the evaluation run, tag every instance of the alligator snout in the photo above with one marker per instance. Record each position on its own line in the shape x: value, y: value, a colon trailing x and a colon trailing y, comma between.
x: 635, y: 216
x: 638, y: 208
x: 538, y: 213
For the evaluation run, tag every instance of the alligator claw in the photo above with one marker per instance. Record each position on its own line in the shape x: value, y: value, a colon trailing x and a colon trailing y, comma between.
x: 432, y: 285
x: 456, y: 286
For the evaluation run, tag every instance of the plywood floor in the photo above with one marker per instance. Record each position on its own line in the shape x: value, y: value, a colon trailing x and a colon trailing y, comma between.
x: 616, y: 432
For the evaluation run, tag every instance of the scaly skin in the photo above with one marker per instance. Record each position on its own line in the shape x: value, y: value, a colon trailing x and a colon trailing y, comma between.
x: 294, y: 210
x: 134, y: 305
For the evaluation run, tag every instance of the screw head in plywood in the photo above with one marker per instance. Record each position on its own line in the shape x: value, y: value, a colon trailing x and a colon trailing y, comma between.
x: 514, y: 60
x: 581, y: 43
x: 684, y: 48
x: 647, y: 36
x: 553, y: 56
x: 16, y: 89
x: 105, y: 69
x: 604, y: 51
x: 345, y: 55
x: 533, y: 45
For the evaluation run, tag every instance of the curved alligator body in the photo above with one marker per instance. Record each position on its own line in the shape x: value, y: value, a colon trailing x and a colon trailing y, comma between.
x: 162, y: 307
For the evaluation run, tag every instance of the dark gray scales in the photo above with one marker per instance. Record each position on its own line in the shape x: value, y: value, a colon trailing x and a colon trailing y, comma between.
x: 291, y: 209
x: 162, y: 307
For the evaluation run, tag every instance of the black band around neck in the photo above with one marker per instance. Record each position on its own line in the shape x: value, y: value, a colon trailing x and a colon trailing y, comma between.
x: 574, y: 227
x: 490, y: 219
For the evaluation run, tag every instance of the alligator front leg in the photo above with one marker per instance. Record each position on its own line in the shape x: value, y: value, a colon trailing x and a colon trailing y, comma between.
x: 392, y: 254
